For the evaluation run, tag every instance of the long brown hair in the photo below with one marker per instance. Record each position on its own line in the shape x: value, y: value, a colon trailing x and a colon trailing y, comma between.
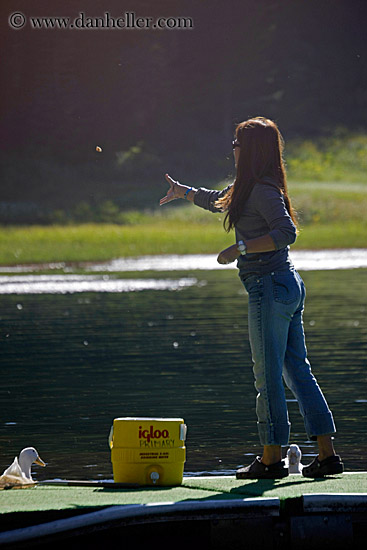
x: 261, y: 156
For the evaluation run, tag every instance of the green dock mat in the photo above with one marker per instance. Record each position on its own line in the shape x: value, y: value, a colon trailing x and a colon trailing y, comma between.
x: 290, y: 487
x: 51, y: 497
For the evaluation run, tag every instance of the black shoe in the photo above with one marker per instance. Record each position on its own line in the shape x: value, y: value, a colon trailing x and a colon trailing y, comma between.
x: 258, y: 470
x: 320, y: 468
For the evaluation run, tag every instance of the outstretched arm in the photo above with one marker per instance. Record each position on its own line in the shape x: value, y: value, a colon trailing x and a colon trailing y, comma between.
x: 177, y: 191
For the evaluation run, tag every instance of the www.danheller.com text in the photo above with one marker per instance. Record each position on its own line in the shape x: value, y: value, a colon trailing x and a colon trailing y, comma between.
x: 128, y: 20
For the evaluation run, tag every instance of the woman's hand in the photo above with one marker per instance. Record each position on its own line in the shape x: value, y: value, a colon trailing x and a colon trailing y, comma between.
x: 175, y: 191
x: 228, y: 255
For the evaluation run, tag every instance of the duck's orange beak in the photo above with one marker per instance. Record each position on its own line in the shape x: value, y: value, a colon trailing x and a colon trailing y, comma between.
x: 39, y: 461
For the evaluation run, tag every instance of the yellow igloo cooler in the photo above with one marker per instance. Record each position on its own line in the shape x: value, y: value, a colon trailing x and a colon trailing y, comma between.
x: 148, y: 451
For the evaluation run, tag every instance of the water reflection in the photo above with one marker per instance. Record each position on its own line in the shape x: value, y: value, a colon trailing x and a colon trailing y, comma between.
x: 62, y: 284
x: 71, y: 363
x: 304, y: 260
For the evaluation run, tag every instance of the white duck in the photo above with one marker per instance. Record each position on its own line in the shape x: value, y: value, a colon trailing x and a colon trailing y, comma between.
x: 19, y: 472
x: 294, y: 459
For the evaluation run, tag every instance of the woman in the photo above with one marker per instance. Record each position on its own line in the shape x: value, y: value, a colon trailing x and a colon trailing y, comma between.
x: 260, y: 211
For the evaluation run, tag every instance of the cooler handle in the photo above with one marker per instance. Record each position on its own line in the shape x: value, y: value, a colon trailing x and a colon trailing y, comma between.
x: 110, y: 437
x: 183, y: 432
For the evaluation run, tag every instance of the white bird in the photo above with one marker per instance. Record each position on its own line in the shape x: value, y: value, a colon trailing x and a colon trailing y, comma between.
x: 294, y: 459
x: 19, y: 472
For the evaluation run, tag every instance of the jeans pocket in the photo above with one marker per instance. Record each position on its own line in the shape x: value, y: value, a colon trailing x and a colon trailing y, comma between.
x: 253, y: 284
x: 286, y: 289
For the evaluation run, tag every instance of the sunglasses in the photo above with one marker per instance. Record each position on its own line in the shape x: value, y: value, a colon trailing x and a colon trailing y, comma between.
x: 235, y: 144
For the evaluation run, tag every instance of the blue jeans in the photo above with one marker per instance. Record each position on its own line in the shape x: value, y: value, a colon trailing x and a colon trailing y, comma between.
x: 276, y: 303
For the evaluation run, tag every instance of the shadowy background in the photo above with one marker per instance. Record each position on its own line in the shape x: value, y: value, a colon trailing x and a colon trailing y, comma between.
x: 161, y: 101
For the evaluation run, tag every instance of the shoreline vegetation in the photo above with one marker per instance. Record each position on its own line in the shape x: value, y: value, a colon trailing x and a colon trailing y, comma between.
x: 327, y: 181
x: 336, y: 217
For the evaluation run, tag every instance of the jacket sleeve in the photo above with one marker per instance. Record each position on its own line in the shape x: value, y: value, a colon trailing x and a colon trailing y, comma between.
x: 270, y: 205
x: 205, y: 198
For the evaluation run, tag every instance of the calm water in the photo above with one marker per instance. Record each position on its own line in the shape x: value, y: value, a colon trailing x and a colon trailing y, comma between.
x: 70, y: 363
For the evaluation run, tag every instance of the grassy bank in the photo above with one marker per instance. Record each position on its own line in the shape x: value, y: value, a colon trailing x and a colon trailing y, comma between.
x: 332, y: 215
x: 104, y: 242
